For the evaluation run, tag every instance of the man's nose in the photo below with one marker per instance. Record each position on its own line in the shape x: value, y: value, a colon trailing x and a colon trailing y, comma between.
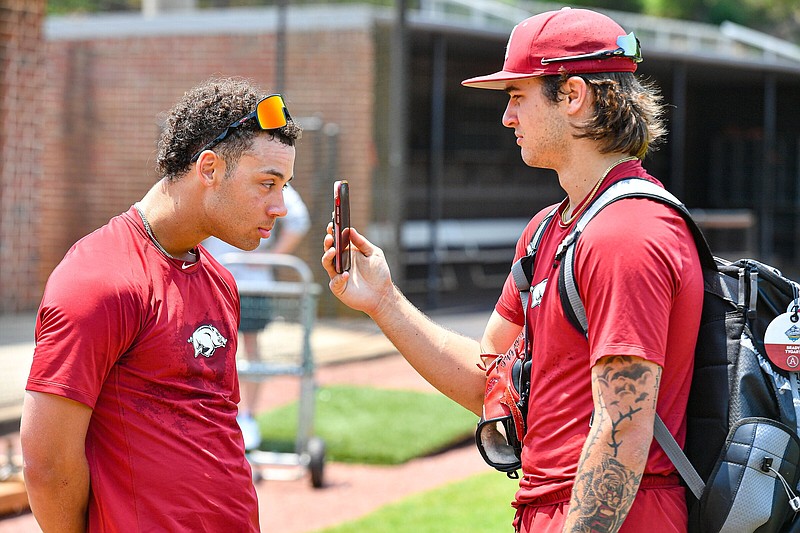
x: 278, y: 209
x: 509, y: 117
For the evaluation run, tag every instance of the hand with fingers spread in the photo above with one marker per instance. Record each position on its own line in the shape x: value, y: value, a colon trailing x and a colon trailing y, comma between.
x: 368, y: 283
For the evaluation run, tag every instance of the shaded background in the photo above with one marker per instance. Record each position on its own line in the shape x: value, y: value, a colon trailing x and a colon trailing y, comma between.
x: 436, y: 180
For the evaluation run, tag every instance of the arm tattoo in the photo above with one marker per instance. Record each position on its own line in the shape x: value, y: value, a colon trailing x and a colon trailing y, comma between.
x: 622, y: 380
x: 603, y: 496
x: 606, y: 484
x: 615, y: 444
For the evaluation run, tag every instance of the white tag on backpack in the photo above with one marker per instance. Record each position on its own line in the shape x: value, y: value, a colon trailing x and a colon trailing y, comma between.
x: 782, y: 340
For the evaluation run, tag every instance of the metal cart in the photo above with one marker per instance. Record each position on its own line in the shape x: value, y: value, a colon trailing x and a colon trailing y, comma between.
x: 293, y: 304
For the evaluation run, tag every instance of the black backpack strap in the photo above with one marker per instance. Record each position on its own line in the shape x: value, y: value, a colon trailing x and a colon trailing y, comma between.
x: 576, y: 312
x: 522, y: 272
x: 522, y: 269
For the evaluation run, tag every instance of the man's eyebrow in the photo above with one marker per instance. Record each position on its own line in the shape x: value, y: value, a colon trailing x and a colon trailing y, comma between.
x: 274, y: 172
x: 511, y: 88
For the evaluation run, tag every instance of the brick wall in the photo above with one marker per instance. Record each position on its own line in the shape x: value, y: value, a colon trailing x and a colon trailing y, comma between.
x: 105, y: 97
x: 21, y: 127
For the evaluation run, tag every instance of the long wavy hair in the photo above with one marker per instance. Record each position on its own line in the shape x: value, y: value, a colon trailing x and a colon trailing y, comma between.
x: 628, y: 113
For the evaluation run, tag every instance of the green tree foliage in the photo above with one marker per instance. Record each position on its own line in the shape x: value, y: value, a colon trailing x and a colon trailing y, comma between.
x: 634, y: 6
x: 62, y: 7
x: 777, y: 17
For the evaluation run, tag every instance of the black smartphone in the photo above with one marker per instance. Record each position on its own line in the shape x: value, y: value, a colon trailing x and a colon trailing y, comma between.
x: 341, y: 225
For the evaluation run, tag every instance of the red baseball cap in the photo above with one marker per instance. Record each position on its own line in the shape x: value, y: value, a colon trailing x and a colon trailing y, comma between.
x: 578, y: 41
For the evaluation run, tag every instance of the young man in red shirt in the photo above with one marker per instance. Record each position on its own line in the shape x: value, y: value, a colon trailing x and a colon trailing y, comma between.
x: 576, y: 107
x: 129, y: 421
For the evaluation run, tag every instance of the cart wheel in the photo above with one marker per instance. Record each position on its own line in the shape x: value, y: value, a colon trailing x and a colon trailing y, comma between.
x: 316, y: 454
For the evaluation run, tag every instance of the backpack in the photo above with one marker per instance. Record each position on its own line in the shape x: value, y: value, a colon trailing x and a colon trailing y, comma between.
x: 742, y: 450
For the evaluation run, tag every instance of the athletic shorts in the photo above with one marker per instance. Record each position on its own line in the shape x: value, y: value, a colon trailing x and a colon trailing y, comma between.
x: 660, y: 505
x: 256, y: 313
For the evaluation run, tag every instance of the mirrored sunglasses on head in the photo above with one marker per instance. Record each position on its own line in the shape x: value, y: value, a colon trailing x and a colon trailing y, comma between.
x: 628, y: 46
x: 271, y: 113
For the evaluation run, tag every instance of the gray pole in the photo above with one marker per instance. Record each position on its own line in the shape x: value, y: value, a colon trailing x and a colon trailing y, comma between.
x: 436, y: 170
x: 678, y: 139
x: 280, y: 48
x: 767, y: 200
x: 398, y: 95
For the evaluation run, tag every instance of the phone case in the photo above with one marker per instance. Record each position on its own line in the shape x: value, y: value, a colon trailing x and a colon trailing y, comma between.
x: 341, y: 225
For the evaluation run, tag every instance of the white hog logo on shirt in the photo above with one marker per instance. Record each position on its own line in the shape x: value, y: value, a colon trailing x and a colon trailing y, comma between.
x: 206, y: 340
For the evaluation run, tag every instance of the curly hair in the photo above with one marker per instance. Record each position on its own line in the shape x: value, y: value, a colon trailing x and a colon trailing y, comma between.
x: 202, y: 114
x: 628, y: 114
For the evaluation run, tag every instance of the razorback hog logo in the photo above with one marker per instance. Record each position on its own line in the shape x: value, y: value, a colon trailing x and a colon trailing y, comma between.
x: 206, y: 339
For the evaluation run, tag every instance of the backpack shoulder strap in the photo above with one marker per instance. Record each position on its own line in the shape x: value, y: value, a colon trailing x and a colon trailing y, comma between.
x: 682, y: 464
x: 576, y: 313
x: 626, y: 188
x: 522, y: 269
x: 522, y: 272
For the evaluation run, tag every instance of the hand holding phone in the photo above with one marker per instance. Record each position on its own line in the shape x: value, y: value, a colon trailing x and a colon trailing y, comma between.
x: 341, y: 225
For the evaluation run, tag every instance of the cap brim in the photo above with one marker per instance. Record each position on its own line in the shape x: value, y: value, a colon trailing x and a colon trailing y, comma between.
x: 498, y: 81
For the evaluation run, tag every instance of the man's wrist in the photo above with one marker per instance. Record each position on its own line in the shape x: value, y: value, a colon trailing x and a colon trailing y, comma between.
x: 387, y: 305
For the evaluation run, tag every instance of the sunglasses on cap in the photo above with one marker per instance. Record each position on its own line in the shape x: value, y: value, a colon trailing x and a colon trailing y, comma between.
x: 271, y: 114
x: 628, y: 47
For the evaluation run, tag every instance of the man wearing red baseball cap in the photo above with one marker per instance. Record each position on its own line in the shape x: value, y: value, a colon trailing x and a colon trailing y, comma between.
x: 587, y: 458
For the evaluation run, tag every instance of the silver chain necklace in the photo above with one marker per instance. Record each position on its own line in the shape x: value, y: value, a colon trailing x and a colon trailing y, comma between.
x: 149, y: 231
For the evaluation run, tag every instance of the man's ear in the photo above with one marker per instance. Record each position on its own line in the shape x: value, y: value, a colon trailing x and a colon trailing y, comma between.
x: 577, y: 95
x: 209, y: 167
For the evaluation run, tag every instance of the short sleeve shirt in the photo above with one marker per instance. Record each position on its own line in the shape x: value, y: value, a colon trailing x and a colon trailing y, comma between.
x: 639, y: 276
x: 149, y: 344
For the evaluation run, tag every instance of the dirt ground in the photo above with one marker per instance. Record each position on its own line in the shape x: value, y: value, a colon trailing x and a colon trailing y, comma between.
x: 349, y: 491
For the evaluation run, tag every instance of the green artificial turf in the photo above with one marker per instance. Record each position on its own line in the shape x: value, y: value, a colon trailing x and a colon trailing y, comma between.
x: 373, y: 426
x: 479, y: 504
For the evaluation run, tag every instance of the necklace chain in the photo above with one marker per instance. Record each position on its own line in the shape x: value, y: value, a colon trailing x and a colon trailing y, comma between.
x: 588, y: 200
x: 150, y: 233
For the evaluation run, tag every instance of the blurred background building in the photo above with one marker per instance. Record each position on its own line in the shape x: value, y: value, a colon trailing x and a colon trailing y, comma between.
x: 435, y: 178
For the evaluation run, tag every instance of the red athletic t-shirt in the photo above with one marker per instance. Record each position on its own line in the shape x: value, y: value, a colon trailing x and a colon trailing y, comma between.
x: 149, y: 344
x: 639, y: 276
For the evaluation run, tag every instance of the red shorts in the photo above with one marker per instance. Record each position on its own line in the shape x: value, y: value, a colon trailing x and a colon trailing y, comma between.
x: 659, y: 507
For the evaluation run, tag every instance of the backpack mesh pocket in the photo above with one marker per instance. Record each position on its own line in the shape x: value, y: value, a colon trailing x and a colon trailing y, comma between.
x: 752, y: 485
